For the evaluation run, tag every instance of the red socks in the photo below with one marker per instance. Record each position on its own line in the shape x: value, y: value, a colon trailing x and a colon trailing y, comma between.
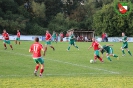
x: 41, y: 71
x: 5, y: 45
x: 37, y: 66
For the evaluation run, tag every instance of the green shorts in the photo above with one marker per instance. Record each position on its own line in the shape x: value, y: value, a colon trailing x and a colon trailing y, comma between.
x: 72, y: 43
x: 18, y: 38
x: 96, y: 52
x: 39, y: 60
x: 7, y: 41
x: 48, y: 43
x: 110, y: 51
x: 125, y: 46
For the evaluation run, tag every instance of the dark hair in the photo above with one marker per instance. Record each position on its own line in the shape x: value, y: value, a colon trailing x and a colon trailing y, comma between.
x: 36, y: 39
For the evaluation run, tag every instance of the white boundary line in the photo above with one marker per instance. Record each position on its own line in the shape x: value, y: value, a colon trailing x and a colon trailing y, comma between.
x: 73, y: 64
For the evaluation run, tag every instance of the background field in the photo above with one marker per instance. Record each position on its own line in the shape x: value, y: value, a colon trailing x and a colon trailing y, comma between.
x: 65, y: 69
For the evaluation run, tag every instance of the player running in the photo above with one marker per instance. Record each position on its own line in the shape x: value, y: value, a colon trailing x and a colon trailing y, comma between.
x: 109, y: 51
x: 48, y: 40
x: 6, y: 39
x: 72, y: 40
x: 54, y: 36
x: 95, y: 46
x: 125, y: 44
x: 36, y: 49
x: 18, y: 37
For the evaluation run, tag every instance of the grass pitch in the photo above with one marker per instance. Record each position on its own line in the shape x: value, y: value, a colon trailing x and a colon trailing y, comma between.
x: 65, y: 69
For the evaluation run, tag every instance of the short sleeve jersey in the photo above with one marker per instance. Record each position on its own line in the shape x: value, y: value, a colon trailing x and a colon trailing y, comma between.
x: 18, y: 34
x: 54, y: 35
x: 6, y: 36
x: 36, y: 50
x: 95, y: 45
x: 72, y: 38
x: 124, y: 38
x: 48, y: 36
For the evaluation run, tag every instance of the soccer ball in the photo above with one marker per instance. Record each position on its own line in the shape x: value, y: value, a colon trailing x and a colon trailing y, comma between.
x: 91, y: 61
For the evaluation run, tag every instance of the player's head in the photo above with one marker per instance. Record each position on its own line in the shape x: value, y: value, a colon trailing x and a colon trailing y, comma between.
x: 47, y: 31
x: 17, y: 30
x: 4, y: 30
x: 123, y: 34
x: 93, y: 39
x: 36, y: 39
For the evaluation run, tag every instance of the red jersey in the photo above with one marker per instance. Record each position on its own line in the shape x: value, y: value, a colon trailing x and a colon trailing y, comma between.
x: 36, y: 50
x: 18, y: 34
x: 48, y: 36
x: 67, y: 35
x: 95, y: 45
x: 6, y: 36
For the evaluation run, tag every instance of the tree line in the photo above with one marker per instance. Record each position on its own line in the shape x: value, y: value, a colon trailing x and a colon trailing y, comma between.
x: 34, y: 17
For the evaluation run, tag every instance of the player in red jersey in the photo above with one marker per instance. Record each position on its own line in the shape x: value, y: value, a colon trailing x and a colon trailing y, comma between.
x: 6, y: 39
x: 18, y: 37
x: 36, y: 49
x: 48, y: 40
x: 95, y: 45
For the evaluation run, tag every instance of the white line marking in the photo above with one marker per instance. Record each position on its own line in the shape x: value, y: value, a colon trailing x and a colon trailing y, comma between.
x: 73, y: 64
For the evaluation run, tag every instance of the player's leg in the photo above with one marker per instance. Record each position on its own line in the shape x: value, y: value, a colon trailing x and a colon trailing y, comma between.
x: 16, y: 40
x: 41, y: 61
x: 129, y: 51
x: 36, y: 67
x: 70, y: 44
x: 95, y: 57
x: 49, y: 43
x: 69, y: 47
x: 122, y: 48
x: 111, y: 53
x: 98, y: 56
x: 8, y: 42
x: 108, y: 57
x: 19, y: 41
x: 75, y: 45
x: 4, y: 42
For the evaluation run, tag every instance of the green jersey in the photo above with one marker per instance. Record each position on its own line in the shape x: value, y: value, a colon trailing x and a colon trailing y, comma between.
x: 72, y: 38
x: 54, y: 35
x: 124, y: 39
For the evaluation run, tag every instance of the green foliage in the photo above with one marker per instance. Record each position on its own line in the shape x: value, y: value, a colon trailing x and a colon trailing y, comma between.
x: 38, y: 9
x: 98, y: 15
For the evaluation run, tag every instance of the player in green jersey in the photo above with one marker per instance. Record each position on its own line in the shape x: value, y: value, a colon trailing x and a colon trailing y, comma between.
x: 109, y: 52
x: 54, y: 36
x: 125, y: 44
x: 72, y: 40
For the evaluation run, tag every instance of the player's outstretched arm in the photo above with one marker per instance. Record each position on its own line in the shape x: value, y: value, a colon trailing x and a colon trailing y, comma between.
x: 43, y: 51
x: 89, y: 47
x: 30, y: 50
x: 109, y: 45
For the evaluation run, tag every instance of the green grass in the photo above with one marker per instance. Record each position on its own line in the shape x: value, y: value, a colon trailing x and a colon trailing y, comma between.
x: 65, y: 69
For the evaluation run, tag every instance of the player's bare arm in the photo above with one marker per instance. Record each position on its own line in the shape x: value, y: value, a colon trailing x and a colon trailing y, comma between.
x: 89, y: 47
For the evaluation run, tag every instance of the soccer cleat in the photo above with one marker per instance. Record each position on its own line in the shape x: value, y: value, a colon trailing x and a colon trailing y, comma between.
x: 67, y: 49
x: 35, y: 73
x: 5, y: 48
x: 123, y: 55
x: 40, y: 75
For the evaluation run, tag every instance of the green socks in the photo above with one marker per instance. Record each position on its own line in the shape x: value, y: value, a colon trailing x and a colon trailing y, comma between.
x: 123, y: 52
x: 69, y: 48
x: 115, y: 55
x: 129, y: 53
x: 109, y: 58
